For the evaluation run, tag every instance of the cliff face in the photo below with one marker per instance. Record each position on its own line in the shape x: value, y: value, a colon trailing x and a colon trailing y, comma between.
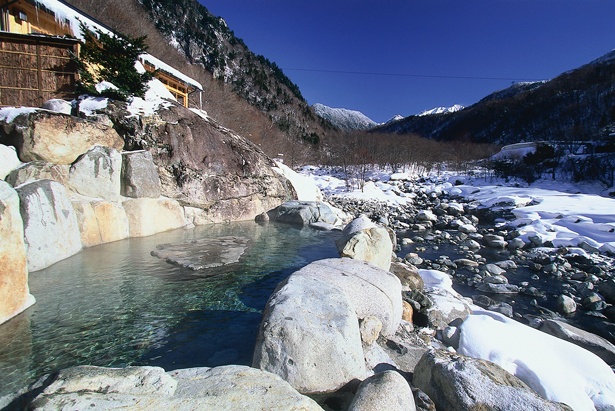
x: 204, y: 165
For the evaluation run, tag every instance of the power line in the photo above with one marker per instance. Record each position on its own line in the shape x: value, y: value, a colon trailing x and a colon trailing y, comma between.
x: 368, y: 73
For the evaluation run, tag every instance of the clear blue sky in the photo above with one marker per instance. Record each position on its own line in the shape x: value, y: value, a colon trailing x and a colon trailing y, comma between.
x: 387, y: 57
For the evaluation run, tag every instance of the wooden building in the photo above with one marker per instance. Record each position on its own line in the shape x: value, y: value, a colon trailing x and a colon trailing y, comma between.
x: 37, y: 38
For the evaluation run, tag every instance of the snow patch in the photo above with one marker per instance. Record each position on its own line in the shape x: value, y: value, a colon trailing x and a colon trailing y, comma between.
x: 554, y: 368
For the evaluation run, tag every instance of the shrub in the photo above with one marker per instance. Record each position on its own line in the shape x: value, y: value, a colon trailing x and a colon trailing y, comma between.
x: 111, y: 57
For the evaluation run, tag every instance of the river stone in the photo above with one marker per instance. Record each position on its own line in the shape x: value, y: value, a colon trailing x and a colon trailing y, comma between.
x: 147, y: 216
x: 387, y: 390
x: 100, y: 221
x: 494, y: 241
x: 363, y: 240
x: 591, y: 342
x: 38, y: 170
x: 309, y: 335
x: 51, y: 230
x: 498, y: 288
x: 408, y: 275
x: 203, y: 253
x: 458, y: 383
x: 303, y: 213
x: 370, y: 328
x: 8, y: 160
x: 139, y: 175
x: 372, y: 291
x: 97, y: 174
x: 607, y: 289
x: 15, y: 296
x: 566, y: 305
x: 58, y: 138
x: 446, y: 308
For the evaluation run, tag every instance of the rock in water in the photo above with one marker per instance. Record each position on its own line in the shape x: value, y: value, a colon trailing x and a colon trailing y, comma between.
x: 51, y: 230
x: 203, y: 253
x: 310, y: 336
x: 303, y: 213
x: 14, y: 293
x: 363, y: 240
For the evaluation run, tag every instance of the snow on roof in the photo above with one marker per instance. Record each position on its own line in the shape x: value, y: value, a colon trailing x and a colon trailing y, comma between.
x: 161, y: 65
x: 67, y: 13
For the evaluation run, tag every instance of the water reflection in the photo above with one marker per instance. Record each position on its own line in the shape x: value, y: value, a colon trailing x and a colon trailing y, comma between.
x: 116, y: 305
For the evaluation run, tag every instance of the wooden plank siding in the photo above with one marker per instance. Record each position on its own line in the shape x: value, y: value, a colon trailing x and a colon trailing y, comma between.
x: 34, y: 69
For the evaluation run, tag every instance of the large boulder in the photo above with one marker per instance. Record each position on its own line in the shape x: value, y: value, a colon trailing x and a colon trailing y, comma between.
x: 458, y: 383
x: 8, y: 160
x: 51, y: 231
x: 139, y: 175
x: 303, y: 213
x: 387, y: 390
x: 14, y: 293
x: 363, y: 240
x: 309, y: 336
x: 150, y: 388
x: 373, y: 291
x: 147, y: 216
x: 38, y: 170
x: 204, y: 165
x: 100, y: 221
x: 97, y: 174
x: 56, y: 138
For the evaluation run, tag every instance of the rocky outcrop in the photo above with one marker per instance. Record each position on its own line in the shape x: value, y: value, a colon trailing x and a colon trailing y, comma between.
x: 363, y: 240
x: 57, y: 138
x: 458, y: 383
x: 51, y: 231
x: 14, y: 293
x: 204, y: 165
x: 151, y: 388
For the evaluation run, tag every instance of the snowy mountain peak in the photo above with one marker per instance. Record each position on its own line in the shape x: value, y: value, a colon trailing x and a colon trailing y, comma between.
x: 395, y: 118
x: 343, y: 118
x: 441, y: 110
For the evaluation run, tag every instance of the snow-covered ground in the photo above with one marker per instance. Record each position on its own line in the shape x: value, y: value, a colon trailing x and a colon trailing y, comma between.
x: 556, y: 212
x: 552, y: 211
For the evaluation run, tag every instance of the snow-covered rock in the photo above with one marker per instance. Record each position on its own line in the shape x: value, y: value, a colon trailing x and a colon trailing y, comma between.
x: 441, y: 110
x: 556, y: 369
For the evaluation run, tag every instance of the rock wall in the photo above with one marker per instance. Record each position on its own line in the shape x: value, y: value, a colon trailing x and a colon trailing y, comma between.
x: 14, y: 293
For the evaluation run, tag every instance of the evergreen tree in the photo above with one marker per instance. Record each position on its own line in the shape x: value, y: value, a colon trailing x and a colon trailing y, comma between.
x: 111, y: 57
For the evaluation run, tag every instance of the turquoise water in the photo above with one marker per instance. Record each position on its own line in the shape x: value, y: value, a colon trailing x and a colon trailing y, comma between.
x: 117, y: 305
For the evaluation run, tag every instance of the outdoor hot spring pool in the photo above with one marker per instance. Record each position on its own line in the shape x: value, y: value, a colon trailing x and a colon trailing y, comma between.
x: 116, y: 304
